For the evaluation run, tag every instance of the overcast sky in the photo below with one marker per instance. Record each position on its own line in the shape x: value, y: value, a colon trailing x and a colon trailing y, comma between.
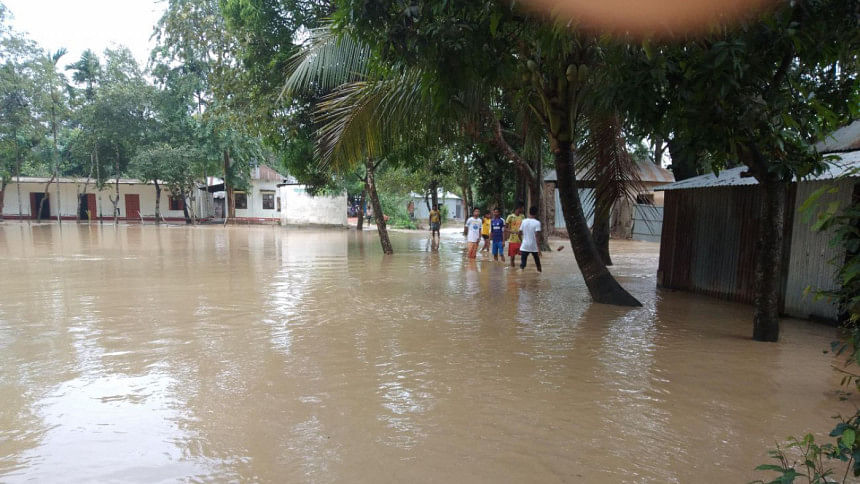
x: 81, y: 24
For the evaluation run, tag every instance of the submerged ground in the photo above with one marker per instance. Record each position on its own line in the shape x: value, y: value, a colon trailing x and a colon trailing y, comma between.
x: 141, y: 353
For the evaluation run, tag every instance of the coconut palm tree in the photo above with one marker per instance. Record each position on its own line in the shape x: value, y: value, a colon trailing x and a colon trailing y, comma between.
x: 369, y: 107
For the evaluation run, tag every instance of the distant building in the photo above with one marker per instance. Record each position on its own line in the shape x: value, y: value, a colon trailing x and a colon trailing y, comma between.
x: 275, y: 198
x: 136, y: 200
x: 639, y: 219
x: 710, y: 229
x: 452, y: 202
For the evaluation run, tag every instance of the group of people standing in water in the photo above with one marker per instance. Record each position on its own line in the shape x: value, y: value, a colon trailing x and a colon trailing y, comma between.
x: 519, y: 231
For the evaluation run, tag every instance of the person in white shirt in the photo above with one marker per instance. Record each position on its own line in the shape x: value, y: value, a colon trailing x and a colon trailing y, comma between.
x: 473, y: 232
x: 528, y: 232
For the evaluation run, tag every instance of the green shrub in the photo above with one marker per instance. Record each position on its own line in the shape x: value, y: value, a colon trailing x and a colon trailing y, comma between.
x: 395, y: 207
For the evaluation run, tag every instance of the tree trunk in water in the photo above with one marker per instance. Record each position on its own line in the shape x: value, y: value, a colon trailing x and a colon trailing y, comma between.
x: 18, y: 182
x: 3, y: 184
x: 601, y: 285
x: 362, y: 199
x: 188, y: 220
x: 600, y: 232
x: 768, y: 267
x: 116, y: 202
x: 377, y: 209
x: 228, y: 190
x: 157, y: 202
x: 537, y: 200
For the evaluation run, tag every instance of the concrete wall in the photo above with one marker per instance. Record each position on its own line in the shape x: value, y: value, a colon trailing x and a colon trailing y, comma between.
x: 300, y: 208
x: 68, y: 200
x: 810, y: 260
x: 421, y: 213
x: 255, y: 208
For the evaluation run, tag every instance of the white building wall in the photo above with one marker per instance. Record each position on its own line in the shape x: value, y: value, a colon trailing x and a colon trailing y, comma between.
x: 421, y: 212
x: 300, y: 208
x: 69, y: 192
x: 255, y: 201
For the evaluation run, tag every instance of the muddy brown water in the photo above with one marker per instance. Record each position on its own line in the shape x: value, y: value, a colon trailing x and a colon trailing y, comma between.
x: 149, y: 354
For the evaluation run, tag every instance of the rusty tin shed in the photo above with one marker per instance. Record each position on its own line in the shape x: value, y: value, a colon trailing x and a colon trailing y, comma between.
x: 709, y: 237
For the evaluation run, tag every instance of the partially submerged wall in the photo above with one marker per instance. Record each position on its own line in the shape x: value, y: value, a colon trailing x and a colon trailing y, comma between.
x: 68, y: 201
x: 300, y: 208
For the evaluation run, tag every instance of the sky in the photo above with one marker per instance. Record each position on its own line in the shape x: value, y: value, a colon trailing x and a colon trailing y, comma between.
x: 78, y: 25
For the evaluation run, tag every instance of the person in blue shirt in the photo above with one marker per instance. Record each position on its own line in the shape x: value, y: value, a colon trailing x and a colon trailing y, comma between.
x: 497, y: 233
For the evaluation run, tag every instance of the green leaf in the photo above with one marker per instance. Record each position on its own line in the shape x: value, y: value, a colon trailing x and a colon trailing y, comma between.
x: 849, y: 437
x: 494, y: 23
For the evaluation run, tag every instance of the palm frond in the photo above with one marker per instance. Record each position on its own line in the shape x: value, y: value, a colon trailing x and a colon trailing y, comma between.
x: 328, y: 60
x: 604, y: 158
x: 367, y: 118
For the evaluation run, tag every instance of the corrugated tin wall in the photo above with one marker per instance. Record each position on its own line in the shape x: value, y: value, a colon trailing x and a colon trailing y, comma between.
x: 708, y: 240
x: 586, y: 195
x: 647, y: 222
x: 811, y: 254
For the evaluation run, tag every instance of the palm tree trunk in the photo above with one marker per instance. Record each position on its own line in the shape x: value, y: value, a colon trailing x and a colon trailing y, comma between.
x: 377, y: 208
x: 600, y: 232
x: 768, y: 266
x: 601, y: 285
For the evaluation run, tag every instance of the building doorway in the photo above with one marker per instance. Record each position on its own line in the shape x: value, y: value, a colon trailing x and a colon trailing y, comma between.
x: 35, y: 200
x: 132, y: 206
x: 87, y: 206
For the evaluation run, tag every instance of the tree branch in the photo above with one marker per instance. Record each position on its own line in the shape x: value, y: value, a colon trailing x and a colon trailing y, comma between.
x: 502, y: 145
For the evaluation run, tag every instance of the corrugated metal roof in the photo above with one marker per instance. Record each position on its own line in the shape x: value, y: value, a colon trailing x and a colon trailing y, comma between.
x: 648, y: 173
x: 439, y: 194
x: 551, y: 175
x: 846, y: 138
x: 732, y: 176
x: 263, y: 172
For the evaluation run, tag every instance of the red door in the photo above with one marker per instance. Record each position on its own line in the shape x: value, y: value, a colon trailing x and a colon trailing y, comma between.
x: 91, y: 207
x: 132, y: 207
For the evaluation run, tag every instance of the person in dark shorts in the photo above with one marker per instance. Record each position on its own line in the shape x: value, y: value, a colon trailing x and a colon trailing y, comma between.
x: 435, y: 220
x: 528, y: 232
x: 497, y: 233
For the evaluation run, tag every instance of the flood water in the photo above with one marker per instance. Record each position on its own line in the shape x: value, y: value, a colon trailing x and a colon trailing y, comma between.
x: 149, y: 354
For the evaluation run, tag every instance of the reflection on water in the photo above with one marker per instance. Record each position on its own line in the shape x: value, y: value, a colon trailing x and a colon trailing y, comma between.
x: 262, y: 353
